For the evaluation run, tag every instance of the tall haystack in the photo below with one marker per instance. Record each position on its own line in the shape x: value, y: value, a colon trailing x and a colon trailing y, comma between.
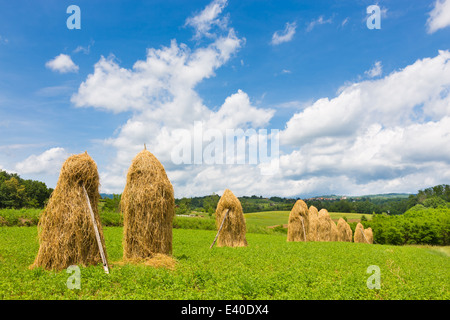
x: 325, y: 221
x: 298, y: 222
x: 361, y: 235
x: 313, y: 229
x: 344, y: 231
x: 234, y: 228
x: 66, y: 232
x: 369, y: 235
x: 334, y: 232
x: 148, y: 208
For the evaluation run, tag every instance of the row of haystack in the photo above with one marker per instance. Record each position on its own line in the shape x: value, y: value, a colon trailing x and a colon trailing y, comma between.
x: 313, y: 225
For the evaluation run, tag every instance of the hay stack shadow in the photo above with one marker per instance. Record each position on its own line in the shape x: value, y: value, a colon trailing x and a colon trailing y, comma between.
x: 148, y: 208
x: 66, y: 232
x: 234, y: 228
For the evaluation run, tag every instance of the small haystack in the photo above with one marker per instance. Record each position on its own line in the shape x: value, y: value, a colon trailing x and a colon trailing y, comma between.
x: 325, y: 221
x: 313, y: 229
x: 234, y: 228
x: 344, y: 231
x: 66, y: 232
x: 148, y: 208
x: 369, y: 235
x: 363, y: 236
x: 334, y: 232
x: 298, y: 222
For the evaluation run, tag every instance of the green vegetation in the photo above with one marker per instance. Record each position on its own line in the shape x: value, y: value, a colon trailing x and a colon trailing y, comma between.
x: 269, y: 268
x: 16, y: 192
x: 419, y: 225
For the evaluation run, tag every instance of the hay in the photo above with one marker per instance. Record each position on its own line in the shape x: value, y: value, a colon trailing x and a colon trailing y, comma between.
x: 324, y: 233
x: 148, y: 208
x: 359, y: 234
x: 158, y: 260
x: 369, y: 235
x: 66, y: 233
x: 344, y: 231
x: 313, y: 220
x: 334, y: 232
x: 234, y: 227
x: 298, y: 222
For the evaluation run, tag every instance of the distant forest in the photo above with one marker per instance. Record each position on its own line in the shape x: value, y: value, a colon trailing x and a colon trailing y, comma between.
x: 16, y: 193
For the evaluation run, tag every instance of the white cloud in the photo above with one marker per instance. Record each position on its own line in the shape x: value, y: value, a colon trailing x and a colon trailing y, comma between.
x: 439, y: 16
x: 208, y: 18
x: 376, y: 136
x: 388, y: 134
x: 286, y: 35
x: 344, y: 22
x: 48, y: 162
x: 376, y: 70
x: 317, y: 22
x: 62, y: 64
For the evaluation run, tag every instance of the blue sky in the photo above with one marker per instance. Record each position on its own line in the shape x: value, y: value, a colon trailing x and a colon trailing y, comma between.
x: 360, y: 111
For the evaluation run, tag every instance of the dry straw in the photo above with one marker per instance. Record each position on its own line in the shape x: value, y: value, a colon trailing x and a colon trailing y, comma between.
x: 369, y: 235
x: 334, y: 232
x: 344, y: 231
x: 363, y: 236
x: 66, y: 232
x: 234, y: 228
x: 148, y: 208
x: 313, y: 220
x: 298, y: 222
x: 325, y: 221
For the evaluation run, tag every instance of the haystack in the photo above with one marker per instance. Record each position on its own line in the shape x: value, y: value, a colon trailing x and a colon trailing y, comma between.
x: 298, y: 222
x: 325, y: 221
x: 360, y: 234
x: 148, y: 208
x: 344, y: 231
x: 334, y: 232
x: 313, y: 220
x: 369, y: 235
x: 66, y: 233
x: 234, y: 228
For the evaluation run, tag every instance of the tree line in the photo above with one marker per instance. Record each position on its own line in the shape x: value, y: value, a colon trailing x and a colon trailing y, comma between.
x: 16, y: 192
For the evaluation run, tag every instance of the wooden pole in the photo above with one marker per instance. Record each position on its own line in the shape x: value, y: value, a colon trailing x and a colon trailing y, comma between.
x: 97, y: 234
x: 221, y: 225
x: 304, y: 232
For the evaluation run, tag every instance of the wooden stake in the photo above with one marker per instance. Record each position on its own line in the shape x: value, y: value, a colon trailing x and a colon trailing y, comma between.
x: 221, y: 225
x: 97, y: 234
x: 304, y: 232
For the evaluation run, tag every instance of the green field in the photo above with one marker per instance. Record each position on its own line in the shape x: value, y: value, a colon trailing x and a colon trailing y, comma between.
x: 269, y: 268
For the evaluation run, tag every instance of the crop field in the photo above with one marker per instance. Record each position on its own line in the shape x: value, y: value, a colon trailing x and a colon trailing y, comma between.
x: 269, y: 268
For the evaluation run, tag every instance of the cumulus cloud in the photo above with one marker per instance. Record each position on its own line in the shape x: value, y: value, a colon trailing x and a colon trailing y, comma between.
x: 389, y: 130
x: 439, y: 17
x: 160, y: 91
x: 62, y: 64
x: 48, y: 162
x: 284, y: 36
x: 378, y: 135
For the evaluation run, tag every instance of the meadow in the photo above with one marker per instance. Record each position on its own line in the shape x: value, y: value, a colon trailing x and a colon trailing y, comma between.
x: 269, y: 268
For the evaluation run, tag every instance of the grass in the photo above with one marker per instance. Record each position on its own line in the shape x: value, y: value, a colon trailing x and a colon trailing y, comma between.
x: 269, y: 268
